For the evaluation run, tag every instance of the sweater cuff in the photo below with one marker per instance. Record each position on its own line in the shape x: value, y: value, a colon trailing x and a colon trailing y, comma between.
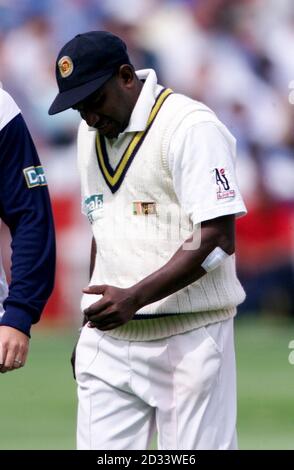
x: 18, y: 319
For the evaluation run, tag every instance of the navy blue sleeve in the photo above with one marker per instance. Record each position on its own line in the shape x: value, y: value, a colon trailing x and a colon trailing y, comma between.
x: 25, y: 208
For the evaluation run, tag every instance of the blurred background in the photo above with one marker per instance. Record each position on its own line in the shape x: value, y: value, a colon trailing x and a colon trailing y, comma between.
x: 236, y: 56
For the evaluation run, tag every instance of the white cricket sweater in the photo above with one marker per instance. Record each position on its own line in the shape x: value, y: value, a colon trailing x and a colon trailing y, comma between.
x: 131, y: 246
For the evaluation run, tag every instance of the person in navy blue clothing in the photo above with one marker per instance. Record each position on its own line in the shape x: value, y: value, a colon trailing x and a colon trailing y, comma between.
x: 26, y: 210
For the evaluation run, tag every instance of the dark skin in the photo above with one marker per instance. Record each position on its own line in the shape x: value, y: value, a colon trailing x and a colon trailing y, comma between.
x: 109, y: 110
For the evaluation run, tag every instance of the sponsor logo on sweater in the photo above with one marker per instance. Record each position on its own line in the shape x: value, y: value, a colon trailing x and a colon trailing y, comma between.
x: 93, y: 207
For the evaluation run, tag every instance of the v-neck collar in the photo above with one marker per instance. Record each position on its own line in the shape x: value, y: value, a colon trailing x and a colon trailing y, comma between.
x: 115, y: 176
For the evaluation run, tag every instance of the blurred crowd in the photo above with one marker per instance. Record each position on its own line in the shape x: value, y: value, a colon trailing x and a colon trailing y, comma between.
x: 234, y: 55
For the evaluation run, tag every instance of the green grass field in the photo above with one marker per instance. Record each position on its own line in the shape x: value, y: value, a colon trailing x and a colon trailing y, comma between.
x: 265, y: 385
x: 37, y: 403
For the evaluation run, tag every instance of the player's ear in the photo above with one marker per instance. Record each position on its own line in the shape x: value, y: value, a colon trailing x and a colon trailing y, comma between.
x: 126, y: 74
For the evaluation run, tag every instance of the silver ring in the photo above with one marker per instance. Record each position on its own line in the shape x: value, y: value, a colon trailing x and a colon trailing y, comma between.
x: 18, y: 361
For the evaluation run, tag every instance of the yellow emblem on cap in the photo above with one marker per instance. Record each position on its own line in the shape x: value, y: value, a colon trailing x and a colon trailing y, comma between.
x: 65, y: 66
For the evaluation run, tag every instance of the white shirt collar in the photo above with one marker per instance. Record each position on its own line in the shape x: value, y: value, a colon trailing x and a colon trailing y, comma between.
x: 143, y: 106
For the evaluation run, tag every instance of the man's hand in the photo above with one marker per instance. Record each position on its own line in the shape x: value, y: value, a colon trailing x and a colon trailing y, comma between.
x: 14, y: 346
x: 116, y: 307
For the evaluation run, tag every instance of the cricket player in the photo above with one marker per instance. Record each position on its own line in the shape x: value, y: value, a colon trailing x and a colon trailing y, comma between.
x: 26, y: 210
x: 159, y: 189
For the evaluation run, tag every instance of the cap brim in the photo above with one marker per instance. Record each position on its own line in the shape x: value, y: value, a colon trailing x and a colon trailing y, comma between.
x: 67, y: 99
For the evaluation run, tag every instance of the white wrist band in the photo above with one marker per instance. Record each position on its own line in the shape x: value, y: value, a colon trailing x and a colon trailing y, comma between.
x: 214, y: 259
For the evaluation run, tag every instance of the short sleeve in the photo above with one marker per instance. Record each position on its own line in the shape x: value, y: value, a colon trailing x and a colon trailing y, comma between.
x: 202, y: 161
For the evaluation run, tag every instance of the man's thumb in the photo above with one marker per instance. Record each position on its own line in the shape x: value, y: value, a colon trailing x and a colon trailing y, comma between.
x: 95, y: 289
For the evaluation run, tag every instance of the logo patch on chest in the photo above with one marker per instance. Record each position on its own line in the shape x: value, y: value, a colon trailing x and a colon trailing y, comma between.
x: 144, y: 208
x: 93, y: 207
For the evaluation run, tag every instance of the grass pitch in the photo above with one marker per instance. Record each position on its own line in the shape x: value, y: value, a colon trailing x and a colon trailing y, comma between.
x: 38, y: 403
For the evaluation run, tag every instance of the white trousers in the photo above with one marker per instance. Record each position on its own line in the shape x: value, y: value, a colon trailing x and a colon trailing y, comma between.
x: 183, y: 386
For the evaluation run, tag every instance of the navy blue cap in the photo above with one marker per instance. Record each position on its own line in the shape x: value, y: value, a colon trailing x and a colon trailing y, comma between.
x: 84, y: 64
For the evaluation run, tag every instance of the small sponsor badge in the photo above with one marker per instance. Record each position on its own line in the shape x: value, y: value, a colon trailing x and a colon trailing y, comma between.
x: 93, y: 207
x: 144, y: 208
x: 35, y: 176
x: 224, y: 190
x: 65, y: 65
